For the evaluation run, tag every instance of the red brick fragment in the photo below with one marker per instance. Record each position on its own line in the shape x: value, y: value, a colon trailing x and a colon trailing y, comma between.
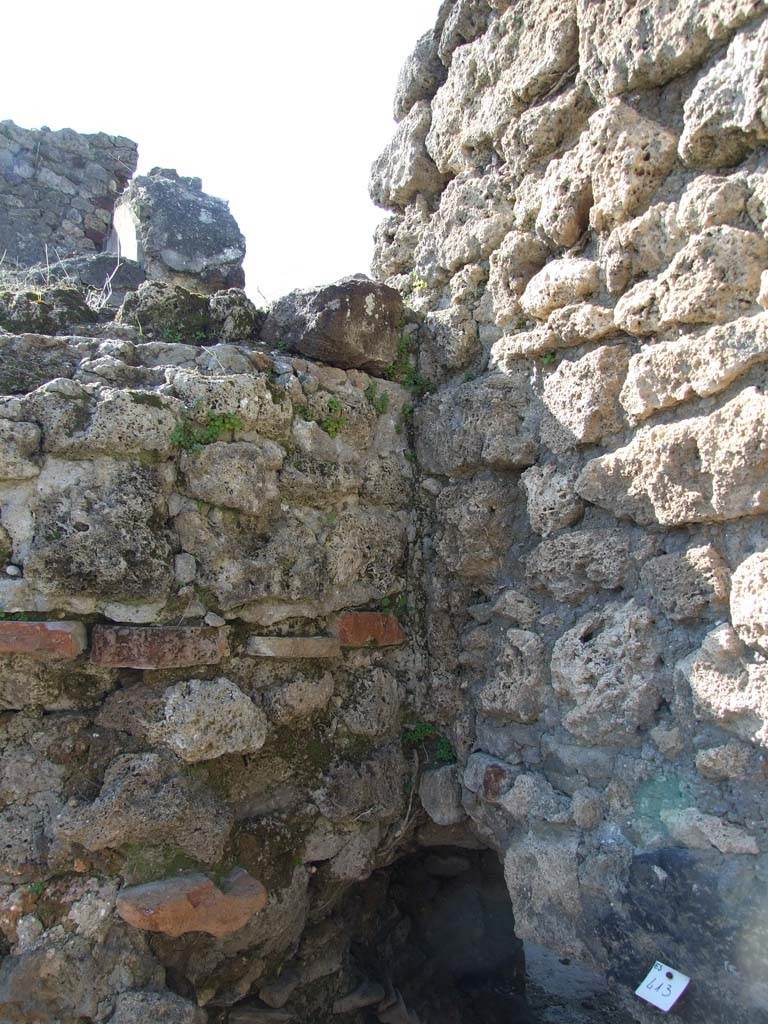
x: 158, y: 646
x: 192, y: 903
x: 370, y: 629
x: 43, y: 639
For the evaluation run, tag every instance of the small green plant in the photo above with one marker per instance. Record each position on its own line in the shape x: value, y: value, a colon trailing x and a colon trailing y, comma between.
x: 549, y: 358
x: 398, y: 606
x: 191, y: 434
x: 410, y: 455
x: 439, y: 749
x: 404, y: 371
x: 418, y: 732
x: 329, y: 519
x: 37, y: 888
x: 418, y: 284
x: 281, y: 345
x: 335, y: 420
x: 378, y: 399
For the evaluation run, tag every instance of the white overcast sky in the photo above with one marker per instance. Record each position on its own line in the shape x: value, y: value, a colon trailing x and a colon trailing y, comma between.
x: 279, y: 107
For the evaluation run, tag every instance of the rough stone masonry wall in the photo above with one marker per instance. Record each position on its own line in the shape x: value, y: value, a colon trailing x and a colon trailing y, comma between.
x: 579, y: 197
x: 57, y: 191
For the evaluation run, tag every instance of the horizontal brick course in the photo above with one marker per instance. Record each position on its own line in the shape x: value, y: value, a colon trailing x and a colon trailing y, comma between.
x: 370, y: 629
x: 43, y: 639
x: 158, y: 646
x: 294, y: 647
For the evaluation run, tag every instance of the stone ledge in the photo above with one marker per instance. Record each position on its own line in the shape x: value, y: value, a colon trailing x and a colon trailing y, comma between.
x: 64, y: 640
x: 158, y: 646
x: 293, y: 647
x: 370, y: 629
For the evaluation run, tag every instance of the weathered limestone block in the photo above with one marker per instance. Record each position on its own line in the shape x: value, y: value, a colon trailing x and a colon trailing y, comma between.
x: 515, y: 688
x: 465, y: 21
x: 396, y: 239
x: 420, y: 77
x: 449, y: 342
x: 568, y: 327
x: 725, y: 115
x: 489, y: 778
x: 29, y: 360
x: 245, y: 396
x: 524, y: 52
x: 158, y: 647
x: 237, y: 474
x: 43, y: 639
x: 691, y: 828
x: 480, y: 423
x: 580, y: 562
x: 689, y: 584
x: 582, y: 397
x: 193, y: 903
x: 553, y: 503
x: 155, y: 1008
x: 707, y: 469
x: 513, y: 264
x: 727, y: 688
x: 19, y: 442
x: 353, y: 323
x: 729, y: 761
x: 166, y: 311
x: 67, y: 978
x: 669, y: 372
x: 712, y: 199
x: 100, y: 529
x: 714, y: 278
x: 179, y: 233
x: 474, y: 519
x: 300, y: 697
x: 440, y: 795
x: 559, y: 283
x: 405, y: 168
x: 608, y: 665
x: 644, y: 245
x: 531, y: 796
x: 203, y: 719
x: 369, y: 629
x: 373, y: 706
x: 79, y: 423
x: 542, y: 876
x: 233, y: 316
x: 676, y: 37
x: 749, y: 601
x: 635, y: 156
x: 145, y: 800
x: 375, y: 785
x: 545, y: 128
x: 36, y: 682
x: 607, y: 177
x: 474, y: 215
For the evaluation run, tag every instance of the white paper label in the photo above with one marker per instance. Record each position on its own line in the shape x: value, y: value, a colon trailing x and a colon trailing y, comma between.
x: 662, y: 986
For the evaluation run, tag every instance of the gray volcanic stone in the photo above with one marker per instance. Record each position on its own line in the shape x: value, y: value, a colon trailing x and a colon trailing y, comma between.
x: 58, y: 190
x: 353, y: 323
x: 179, y: 233
x: 420, y: 77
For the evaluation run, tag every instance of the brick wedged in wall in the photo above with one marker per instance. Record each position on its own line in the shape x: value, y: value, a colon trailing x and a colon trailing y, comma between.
x: 50, y: 640
x: 157, y: 647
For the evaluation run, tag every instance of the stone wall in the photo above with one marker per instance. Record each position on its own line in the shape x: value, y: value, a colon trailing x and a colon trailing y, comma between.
x: 578, y: 212
x: 57, y: 190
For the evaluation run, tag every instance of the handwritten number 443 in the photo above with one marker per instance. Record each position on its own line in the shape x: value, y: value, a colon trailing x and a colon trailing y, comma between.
x: 659, y: 983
